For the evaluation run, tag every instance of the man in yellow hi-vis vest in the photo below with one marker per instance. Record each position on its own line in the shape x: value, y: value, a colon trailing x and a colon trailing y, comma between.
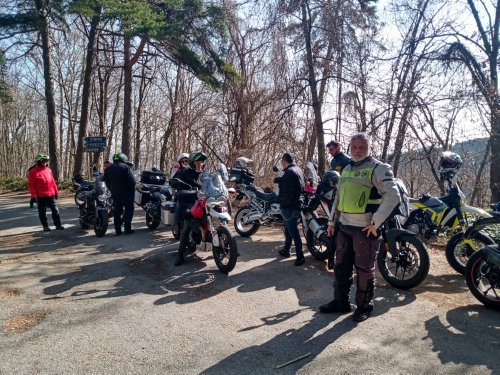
x: 366, y: 197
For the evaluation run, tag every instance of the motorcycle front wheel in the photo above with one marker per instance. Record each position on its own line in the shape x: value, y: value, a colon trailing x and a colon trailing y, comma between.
x: 483, y: 280
x: 409, y: 267
x: 318, y: 249
x: 226, y: 254
x: 152, y: 222
x: 460, y: 249
x: 245, y: 230
x: 101, y: 223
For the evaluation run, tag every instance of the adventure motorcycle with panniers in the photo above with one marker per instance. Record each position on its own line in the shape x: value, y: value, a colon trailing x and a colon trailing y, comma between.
x: 150, y: 193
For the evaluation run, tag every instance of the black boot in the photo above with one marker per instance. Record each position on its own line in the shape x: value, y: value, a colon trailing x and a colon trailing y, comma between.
x: 179, y: 259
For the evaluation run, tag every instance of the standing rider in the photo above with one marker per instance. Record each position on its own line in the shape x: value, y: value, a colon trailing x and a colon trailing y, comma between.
x: 291, y: 186
x: 366, y: 197
x: 189, y: 177
x: 121, y: 182
x: 43, y: 187
x: 339, y: 159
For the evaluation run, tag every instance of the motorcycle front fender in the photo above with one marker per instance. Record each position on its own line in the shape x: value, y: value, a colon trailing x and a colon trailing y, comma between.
x: 221, y: 216
x: 392, y: 235
x: 475, y: 210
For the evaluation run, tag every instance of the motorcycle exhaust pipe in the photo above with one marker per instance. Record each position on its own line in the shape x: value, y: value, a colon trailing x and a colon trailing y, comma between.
x: 319, y: 232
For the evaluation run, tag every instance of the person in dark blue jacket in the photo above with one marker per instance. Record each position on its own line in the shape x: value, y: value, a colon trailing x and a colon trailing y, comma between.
x: 291, y: 186
x: 121, y: 182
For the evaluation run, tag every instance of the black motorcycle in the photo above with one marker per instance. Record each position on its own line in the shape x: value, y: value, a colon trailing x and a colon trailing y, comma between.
x: 403, y: 260
x: 482, y: 275
x: 94, y: 203
x: 150, y: 193
x: 482, y: 270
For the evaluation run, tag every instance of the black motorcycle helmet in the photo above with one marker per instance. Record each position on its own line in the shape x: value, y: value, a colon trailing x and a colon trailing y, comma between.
x: 449, y: 164
x: 196, y: 156
x: 120, y: 157
x: 331, y: 179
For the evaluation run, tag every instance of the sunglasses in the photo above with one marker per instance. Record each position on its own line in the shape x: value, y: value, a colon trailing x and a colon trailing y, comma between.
x: 184, y: 161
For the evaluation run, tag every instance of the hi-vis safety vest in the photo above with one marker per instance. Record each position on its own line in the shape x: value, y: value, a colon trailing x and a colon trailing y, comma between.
x: 357, y: 194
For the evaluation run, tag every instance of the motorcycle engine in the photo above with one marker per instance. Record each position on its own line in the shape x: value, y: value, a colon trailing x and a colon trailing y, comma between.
x: 274, y: 209
x: 422, y: 226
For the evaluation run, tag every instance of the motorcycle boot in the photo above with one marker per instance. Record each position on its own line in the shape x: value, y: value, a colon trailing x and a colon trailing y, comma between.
x: 183, y: 243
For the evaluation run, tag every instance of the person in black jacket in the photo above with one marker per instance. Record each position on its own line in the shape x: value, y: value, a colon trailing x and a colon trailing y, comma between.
x: 189, y: 177
x: 339, y: 159
x: 121, y: 182
x: 291, y: 186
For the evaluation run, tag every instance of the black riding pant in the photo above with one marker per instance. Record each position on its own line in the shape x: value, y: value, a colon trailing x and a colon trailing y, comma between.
x: 354, y: 248
x: 50, y: 202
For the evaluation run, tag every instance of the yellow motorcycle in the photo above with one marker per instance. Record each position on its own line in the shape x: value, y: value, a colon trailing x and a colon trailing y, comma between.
x: 431, y: 216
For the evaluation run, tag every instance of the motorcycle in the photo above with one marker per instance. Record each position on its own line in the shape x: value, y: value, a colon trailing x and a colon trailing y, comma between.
x: 262, y: 208
x: 462, y: 245
x: 94, y: 203
x: 430, y: 216
x: 403, y: 259
x: 209, y: 218
x: 482, y: 275
x: 318, y: 194
x: 150, y: 194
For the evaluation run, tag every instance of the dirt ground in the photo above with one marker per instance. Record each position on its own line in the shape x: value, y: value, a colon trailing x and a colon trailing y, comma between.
x: 75, y: 303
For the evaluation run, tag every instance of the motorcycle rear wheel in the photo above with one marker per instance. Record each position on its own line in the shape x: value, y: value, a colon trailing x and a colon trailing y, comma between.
x: 245, y: 230
x: 226, y: 254
x: 316, y: 247
x: 411, y: 265
x: 459, y: 249
x: 101, y: 223
x: 483, y: 280
x: 151, y: 222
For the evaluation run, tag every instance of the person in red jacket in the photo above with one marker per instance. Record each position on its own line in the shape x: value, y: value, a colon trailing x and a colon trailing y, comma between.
x: 42, y: 186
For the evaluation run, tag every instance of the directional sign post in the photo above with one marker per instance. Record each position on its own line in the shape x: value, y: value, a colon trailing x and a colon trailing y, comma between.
x: 94, y: 144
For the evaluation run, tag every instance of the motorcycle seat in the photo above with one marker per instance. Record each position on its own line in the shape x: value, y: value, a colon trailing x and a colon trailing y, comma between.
x: 268, y: 197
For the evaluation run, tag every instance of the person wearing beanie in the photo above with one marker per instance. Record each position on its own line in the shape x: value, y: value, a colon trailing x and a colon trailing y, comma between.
x: 291, y: 186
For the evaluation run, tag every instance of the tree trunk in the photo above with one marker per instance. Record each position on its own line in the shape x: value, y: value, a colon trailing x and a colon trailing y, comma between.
x: 87, y: 82
x: 49, y: 87
x: 318, y: 122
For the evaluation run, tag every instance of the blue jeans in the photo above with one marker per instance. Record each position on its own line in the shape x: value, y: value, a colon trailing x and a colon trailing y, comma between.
x: 290, y: 219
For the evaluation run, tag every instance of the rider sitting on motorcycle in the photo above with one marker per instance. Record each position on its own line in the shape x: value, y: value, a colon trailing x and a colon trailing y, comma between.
x: 188, y: 181
x: 177, y: 168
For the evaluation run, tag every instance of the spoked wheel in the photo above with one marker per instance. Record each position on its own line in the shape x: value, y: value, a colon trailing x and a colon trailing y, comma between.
x: 226, y: 254
x: 152, y: 222
x: 101, y: 223
x: 318, y: 249
x: 459, y: 249
x: 409, y: 267
x: 483, y: 279
x: 245, y: 230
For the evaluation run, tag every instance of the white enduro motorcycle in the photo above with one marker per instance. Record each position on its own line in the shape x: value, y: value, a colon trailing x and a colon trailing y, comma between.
x: 209, y: 219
